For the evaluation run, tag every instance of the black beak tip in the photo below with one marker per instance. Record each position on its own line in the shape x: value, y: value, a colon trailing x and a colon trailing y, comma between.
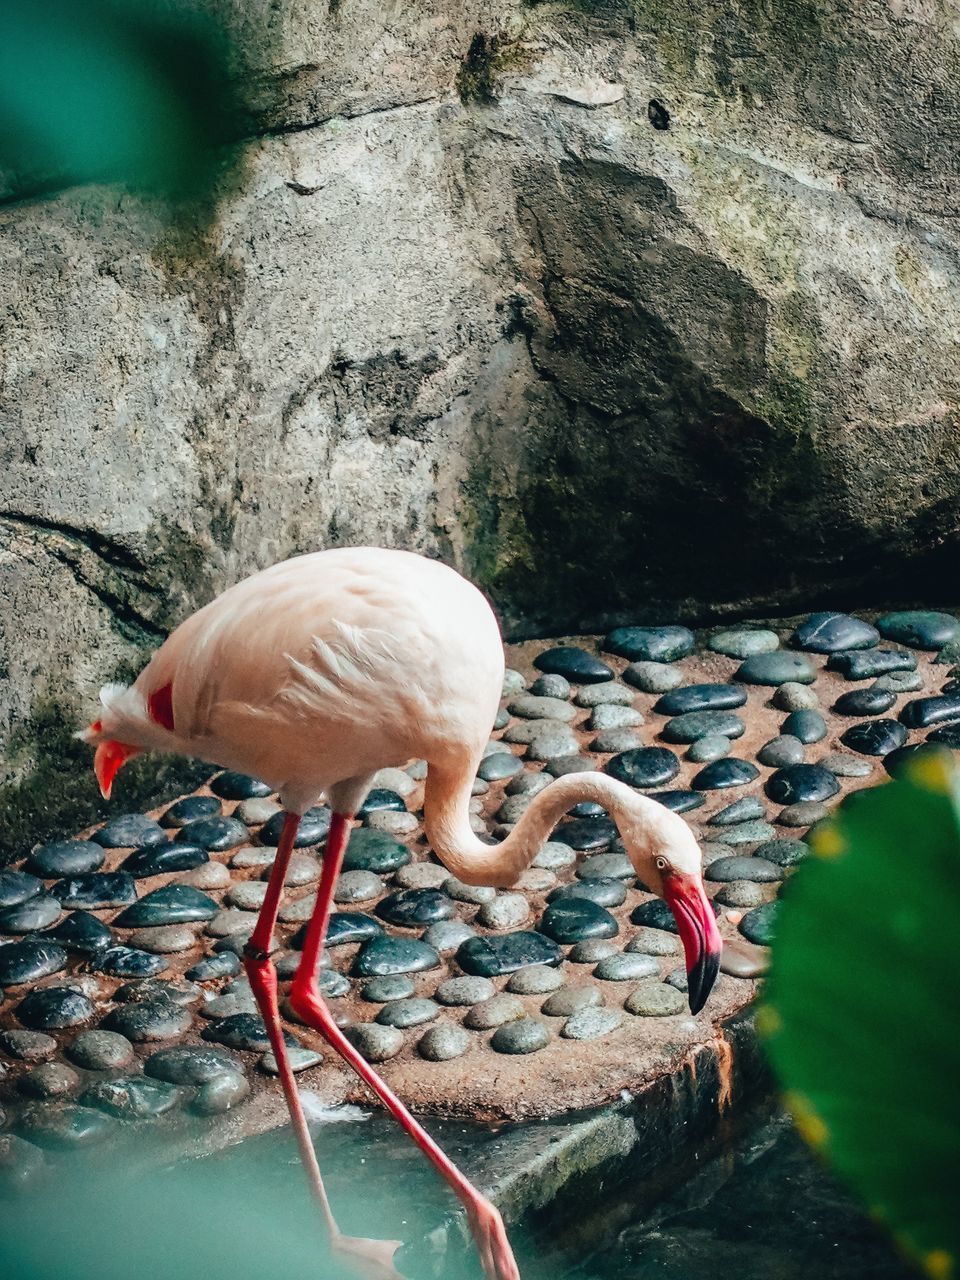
x: 701, y: 978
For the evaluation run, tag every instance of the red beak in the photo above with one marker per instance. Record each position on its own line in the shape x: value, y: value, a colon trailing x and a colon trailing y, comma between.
x: 107, y: 761
x: 699, y: 934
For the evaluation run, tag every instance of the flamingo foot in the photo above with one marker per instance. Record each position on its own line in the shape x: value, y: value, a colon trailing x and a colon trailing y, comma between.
x: 490, y: 1235
x: 369, y: 1259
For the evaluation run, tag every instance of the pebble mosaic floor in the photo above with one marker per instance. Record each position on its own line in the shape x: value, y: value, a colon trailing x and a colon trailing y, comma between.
x: 122, y: 997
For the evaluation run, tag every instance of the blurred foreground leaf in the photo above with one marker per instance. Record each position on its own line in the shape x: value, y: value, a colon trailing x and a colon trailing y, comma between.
x: 861, y: 1007
x: 110, y: 90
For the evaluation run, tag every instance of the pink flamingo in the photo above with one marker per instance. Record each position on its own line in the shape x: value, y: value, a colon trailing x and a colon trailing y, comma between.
x: 314, y: 674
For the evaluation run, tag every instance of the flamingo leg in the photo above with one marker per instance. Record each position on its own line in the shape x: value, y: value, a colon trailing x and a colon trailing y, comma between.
x: 485, y: 1220
x: 262, y: 974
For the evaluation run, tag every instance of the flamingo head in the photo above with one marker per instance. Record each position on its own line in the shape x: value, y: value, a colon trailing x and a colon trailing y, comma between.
x: 668, y: 862
x: 109, y: 756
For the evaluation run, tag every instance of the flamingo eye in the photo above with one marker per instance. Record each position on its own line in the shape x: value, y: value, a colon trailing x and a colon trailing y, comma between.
x: 661, y: 864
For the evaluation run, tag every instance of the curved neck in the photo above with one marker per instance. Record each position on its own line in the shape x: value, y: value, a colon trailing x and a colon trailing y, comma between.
x: 447, y: 821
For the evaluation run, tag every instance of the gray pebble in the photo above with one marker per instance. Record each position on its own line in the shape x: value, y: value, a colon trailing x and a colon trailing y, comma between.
x: 591, y: 1024
x: 560, y: 766
x: 526, y: 1035
x: 741, y: 642
x: 299, y: 1057
x: 464, y: 991
x: 608, y: 716
x: 606, y: 693
x: 616, y: 740
x: 395, y: 824
x: 50, y: 1080
x: 529, y: 707
x: 590, y: 950
x: 845, y: 765
x: 224, y: 923
x: 506, y: 911
x: 740, y: 893
x: 748, y: 833
x: 253, y: 855
x: 792, y: 696
x: 255, y: 811
x: 493, y: 1012
x: 678, y: 978
x: 653, y: 942
x: 548, y: 739
x: 551, y: 686
x: 443, y: 1042
x: 166, y: 939
x: 375, y: 1042
x: 28, y: 1046
x: 248, y: 895
x: 411, y: 1012
x: 569, y: 1000
x: 528, y: 783
x: 555, y: 856
x: 535, y: 880
x: 209, y: 875
x: 397, y: 780
x: 606, y: 866
x: 513, y: 682
x: 513, y: 808
x: 419, y: 875
x: 503, y: 764
x: 654, y: 1000
x: 712, y: 746
x: 390, y: 986
x: 298, y: 910
x: 535, y: 980
x: 101, y: 1051
x: 803, y: 814
x: 899, y: 682
x: 782, y: 751
x: 461, y: 892
x: 219, y: 1095
x: 357, y: 886
x: 653, y: 677
x: 627, y: 967
x: 447, y: 935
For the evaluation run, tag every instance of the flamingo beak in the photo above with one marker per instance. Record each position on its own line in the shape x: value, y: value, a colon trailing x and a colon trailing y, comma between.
x: 109, y: 758
x: 697, y: 926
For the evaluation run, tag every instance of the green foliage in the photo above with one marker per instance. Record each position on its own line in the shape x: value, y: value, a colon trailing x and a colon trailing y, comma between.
x: 110, y: 91
x: 861, y: 1005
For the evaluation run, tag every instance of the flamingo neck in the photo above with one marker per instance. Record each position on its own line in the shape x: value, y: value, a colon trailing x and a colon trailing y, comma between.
x: 447, y: 822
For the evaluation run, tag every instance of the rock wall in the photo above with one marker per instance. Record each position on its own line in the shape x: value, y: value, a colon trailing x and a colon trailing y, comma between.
x: 623, y: 308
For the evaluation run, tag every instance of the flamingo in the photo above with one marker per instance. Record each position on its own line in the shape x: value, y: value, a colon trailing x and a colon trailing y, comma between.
x: 314, y: 674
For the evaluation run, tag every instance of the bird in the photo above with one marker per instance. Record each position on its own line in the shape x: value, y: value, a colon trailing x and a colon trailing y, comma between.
x: 314, y: 674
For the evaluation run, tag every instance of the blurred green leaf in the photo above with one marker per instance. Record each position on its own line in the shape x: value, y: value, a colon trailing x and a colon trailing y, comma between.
x: 860, y: 1013
x: 99, y: 90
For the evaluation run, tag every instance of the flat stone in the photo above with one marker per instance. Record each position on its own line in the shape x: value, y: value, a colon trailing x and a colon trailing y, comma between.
x: 376, y: 1043
x: 313, y: 828
x: 399, y: 780
x: 502, y: 764
x: 246, y: 895
x: 742, y: 642
x: 535, y: 880
x: 513, y: 682
x: 834, y: 633
x: 730, y: 772
x: 555, y: 855
x: 62, y: 858
x: 759, y: 924
x: 781, y: 751
x: 464, y: 991
x: 447, y: 935
x: 357, y: 886
x: 346, y: 927
x: 611, y: 721
x: 64, y: 1125
x: 650, y: 644
x: 494, y: 1012
x: 591, y: 1024
x: 775, y: 669
x: 748, y: 833
x: 238, y: 786
x: 396, y: 955
x: 919, y: 628
x: 417, y: 875
x: 256, y: 811
x: 473, y: 893
x: 801, y: 782
x: 376, y: 851
x: 130, y: 831
x: 411, y: 907
x: 34, y: 914
x: 781, y: 852
x: 526, y: 1035
x: 189, y: 809
x: 551, y: 686
x: 609, y: 693
x: 875, y: 662
x: 742, y: 894
x: 171, y: 904
x: 530, y: 708
x: 802, y: 814
x: 947, y: 735
x: 241, y: 1031
x: 30, y: 960
x: 383, y: 800
x: 898, y: 682
x: 216, y: 835
x: 571, y: 919
x: 145, y: 1021
x: 653, y: 677
x: 847, y: 766
x: 505, y: 953
x: 179, y: 993
x: 443, y: 1042
x: 591, y: 951
x: 712, y: 746
x: 407, y: 1013
x: 392, y: 986
x: 699, y: 724
x: 132, y: 1097
x: 209, y: 875
x: 587, y: 834
x: 645, y: 768
x: 506, y: 911
x: 795, y: 697
x: 167, y: 939
x: 701, y: 698
x: 559, y: 766
x: 575, y: 665
x: 17, y: 887
x: 96, y: 890
x: 921, y: 713
x: 605, y: 866
x: 655, y: 1000
x: 875, y: 737
x: 27, y: 1046
x: 535, y: 979
x: 653, y: 942
x: 101, y: 1051
x: 52, y: 1008
x: 192, y: 1065
x: 756, y: 869
x: 569, y: 1000
x: 332, y: 984
x: 299, y: 1058
x: 51, y: 1080
x: 163, y: 859
x: 865, y: 702
x: 680, y: 801
x: 655, y: 914
x: 605, y: 893
x: 746, y: 809
x: 627, y: 966
x: 224, y: 923
x: 549, y: 740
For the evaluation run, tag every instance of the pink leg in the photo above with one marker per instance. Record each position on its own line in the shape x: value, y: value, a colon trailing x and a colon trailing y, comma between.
x: 485, y: 1221
x: 262, y: 974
